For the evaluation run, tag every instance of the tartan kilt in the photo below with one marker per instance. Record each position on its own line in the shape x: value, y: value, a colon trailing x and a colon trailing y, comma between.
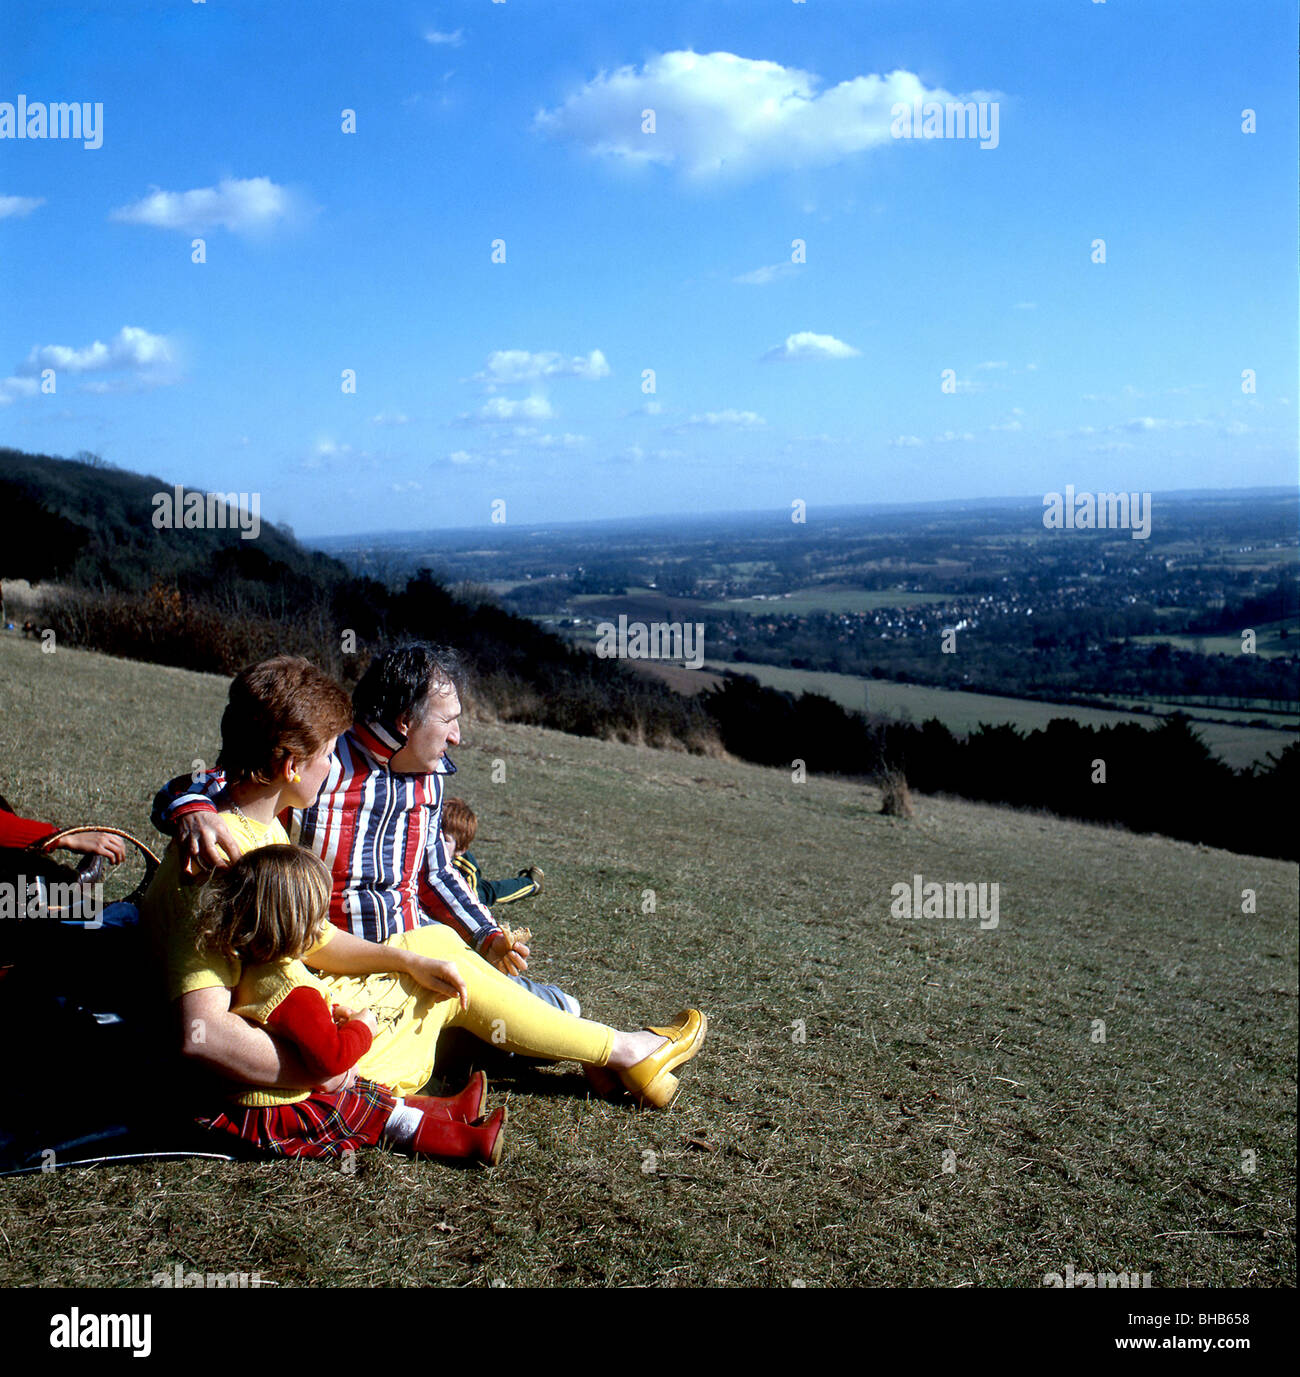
x: 320, y: 1126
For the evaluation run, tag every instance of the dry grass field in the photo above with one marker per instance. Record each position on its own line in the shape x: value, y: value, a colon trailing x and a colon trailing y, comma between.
x: 885, y: 1099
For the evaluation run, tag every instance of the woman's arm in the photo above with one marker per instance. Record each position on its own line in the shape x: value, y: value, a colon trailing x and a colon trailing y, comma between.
x: 235, y: 1049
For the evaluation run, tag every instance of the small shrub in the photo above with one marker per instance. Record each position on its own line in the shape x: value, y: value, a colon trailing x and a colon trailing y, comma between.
x: 895, y: 796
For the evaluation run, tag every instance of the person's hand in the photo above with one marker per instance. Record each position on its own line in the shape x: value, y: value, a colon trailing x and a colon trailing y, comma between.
x: 342, y: 1014
x: 511, y: 958
x: 206, y: 842
x: 343, y: 1081
x: 441, y: 977
x: 96, y: 844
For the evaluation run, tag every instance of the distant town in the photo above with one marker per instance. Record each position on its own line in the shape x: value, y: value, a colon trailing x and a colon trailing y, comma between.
x: 973, y: 596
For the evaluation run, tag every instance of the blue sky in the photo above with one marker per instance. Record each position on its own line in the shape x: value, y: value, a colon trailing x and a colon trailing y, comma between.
x: 669, y: 250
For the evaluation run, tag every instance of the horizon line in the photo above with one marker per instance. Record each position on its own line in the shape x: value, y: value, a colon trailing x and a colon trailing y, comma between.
x: 727, y: 514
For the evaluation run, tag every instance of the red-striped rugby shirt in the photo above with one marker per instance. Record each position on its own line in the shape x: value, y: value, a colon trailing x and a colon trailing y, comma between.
x: 380, y: 833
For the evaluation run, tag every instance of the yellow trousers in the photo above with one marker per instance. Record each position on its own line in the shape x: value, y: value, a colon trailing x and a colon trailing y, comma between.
x: 500, y: 1013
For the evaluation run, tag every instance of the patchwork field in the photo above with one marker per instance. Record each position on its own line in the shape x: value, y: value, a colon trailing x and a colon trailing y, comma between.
x: 828, y: 598
x: 1106, y: 1078
x: 1271, y: 639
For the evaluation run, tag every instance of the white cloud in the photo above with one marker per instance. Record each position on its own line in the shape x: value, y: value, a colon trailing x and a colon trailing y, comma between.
x: 905, y: 442
x: 131, y: 348
x: 1151, y: 423
x: 245, y: 206
x: 18, y: 206
x: 518, y: 365
x: 328, y: 453
x: 339, y: 456
x: 634, y: 454
x: 760, y: 277
x: 1143, y: 424
x: 1026, y: 306
x: 993, y: 363
x: 499, y: 409
x: 1155, y: 425
x: 390, y: 418
x: 461, y: 456
x: 1011, y: 425
x: 409, y: 486
x: 565, y: 441
x: 951, y: 436
x: 806, y: 345
x: 451, y: 40
x: 145, y: 359
x: 720, y: 114
x: 746, y: 420
x: 17, y: 387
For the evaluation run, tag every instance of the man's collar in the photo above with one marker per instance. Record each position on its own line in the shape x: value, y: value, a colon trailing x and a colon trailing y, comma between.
x: 382, y: 740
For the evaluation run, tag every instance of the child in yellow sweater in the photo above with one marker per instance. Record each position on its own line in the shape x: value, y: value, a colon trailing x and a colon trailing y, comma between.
x: 265, y: 912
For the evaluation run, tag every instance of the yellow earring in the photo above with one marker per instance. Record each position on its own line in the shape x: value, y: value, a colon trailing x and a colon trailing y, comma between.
x: 296, y: 777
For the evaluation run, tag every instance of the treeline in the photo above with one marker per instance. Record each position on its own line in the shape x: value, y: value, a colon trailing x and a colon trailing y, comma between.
x: 1162, y: 779
x: 520, y: 673
x: 1274, y: 604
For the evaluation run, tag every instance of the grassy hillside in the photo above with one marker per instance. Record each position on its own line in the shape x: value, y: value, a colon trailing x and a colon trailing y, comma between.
x: 819, y: 1162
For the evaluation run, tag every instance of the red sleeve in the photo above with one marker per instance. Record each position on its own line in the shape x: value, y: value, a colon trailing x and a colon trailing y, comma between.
x: 16, y: 831
x: 304, y: 1017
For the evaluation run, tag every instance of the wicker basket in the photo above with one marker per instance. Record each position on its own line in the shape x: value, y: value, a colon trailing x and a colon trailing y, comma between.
x: 151, y: 862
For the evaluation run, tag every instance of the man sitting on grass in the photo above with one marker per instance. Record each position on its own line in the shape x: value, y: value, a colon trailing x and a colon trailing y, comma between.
x: 377, y: 819
x: 369, y: 804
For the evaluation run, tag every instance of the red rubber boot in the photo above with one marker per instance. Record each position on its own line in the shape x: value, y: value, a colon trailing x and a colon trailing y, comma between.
x: 461, y: 1142
x: 466, y: 1108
